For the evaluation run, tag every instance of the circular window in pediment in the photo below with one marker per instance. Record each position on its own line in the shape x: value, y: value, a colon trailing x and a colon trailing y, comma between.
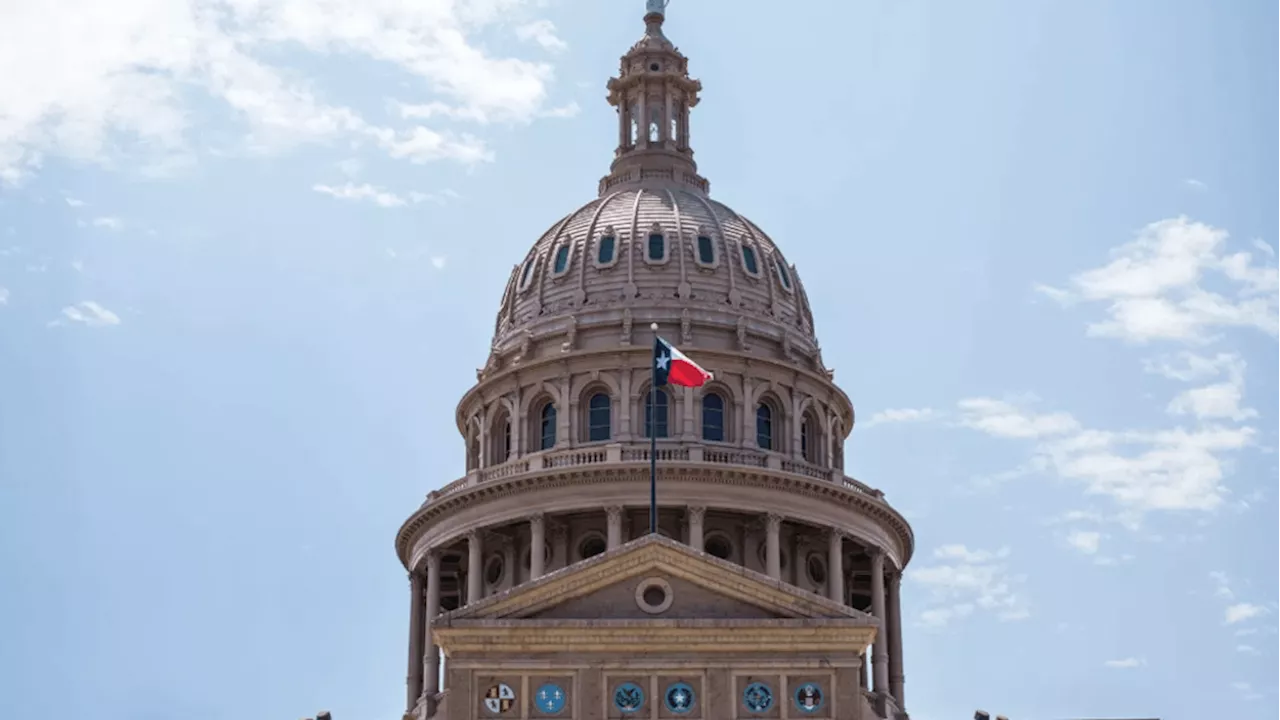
x: 653, y: 595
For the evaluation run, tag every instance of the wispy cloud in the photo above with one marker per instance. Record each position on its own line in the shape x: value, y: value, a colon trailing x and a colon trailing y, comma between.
x: 542, y: 32
x: 113, y: 87
x: 114, y: 224
x: 1195, y: 184
x: 380, y: 196
x: 1086, y: 541
x: 964, y: 581
x: 1153, y: 287
x: 1126, y: 663
x: 901, y: 415
x: 4, y: 295
x: 74, y: 202
x: 438, y: 262
x: 1239, y: 612
x: 88, y: 313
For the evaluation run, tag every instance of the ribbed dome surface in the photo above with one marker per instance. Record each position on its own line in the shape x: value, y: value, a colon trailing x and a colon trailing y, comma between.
x: 659, y: 245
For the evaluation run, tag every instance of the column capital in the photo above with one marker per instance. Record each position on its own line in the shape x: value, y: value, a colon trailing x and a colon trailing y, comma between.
x: 773, y: 521
x: 835, y: 533
x: 432, y: 561
x: 473, y: 535
x: 614, y: 512
x: 697, y: 513
x: 893, y: 578
x: 538, y: 519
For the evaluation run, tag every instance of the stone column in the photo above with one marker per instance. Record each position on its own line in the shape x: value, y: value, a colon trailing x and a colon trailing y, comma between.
x: 772, y: 551
x: 475, y: 567
x: 537, y: 545
x: 879, y: 651
x: 414, y: 678
x: 896, y: 677
x: 642, y: 129
x: 692, y: 430
x: 508, y: 564
x: 614, y: 514
x: 835, y: 565
x: 559, y: 546
x: 696, y: 516
x: 431, y: 662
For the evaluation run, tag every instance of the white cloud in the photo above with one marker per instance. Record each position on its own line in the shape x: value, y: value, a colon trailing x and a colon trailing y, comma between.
x: 1195, y: 184
x: 1086, y: 541
x: 74, y: 202
x: 964, y: 581
x: 108, y: 223
x: 1218, y: 401
x: 4, y: 295
x: 542, y: 32
x: 1247, y: 649
x: 1154, y: 287
x: 1175, y: 469
x: 438, y: 262
x: 901, y: 415
x: 1189, y: 367
x: 351, y: 191
x: 107, y: 82
x: 1129, y: 662
x: 88, y: 313
x: 1240, y: 612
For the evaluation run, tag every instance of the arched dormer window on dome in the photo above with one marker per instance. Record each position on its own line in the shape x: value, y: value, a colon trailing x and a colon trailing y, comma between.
x: 561, y: 260
x: 526, y: 274
x: 656, y: 415
x: 783, y: 276
x: 714, y: 417
x: 750, y: 261
x: 704, y: 250
x: 607, y: 249
x: 811, y: 438
x: 655, y: 247
x: 599, y: 418
x: 500, y: 439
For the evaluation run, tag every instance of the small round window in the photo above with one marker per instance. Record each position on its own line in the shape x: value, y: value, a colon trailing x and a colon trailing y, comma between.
x: 817, y: 569
x: 653, y: 595
x: 591, y: 546
x: 718, y: 546
x: 493, y: 570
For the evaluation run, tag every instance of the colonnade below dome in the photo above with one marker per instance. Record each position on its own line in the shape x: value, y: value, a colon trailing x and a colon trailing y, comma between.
x: 495, y: 559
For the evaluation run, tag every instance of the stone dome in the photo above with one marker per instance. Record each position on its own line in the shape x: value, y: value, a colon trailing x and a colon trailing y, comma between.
x: 659, y: 248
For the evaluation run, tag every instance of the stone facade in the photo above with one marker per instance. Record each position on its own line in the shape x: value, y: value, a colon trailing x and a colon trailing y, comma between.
x: 771, y: 587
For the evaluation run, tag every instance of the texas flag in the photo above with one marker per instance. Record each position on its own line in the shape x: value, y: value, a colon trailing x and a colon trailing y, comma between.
x: 672, y: 367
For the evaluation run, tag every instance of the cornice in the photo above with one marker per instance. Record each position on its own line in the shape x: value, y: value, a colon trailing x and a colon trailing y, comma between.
x: 598, y: 474
x: 653, y: 637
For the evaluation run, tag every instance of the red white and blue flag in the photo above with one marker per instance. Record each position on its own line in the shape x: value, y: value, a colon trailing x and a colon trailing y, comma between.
x: 673, y: 367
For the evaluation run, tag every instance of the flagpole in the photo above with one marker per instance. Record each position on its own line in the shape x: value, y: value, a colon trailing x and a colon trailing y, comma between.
x: 653, y: 433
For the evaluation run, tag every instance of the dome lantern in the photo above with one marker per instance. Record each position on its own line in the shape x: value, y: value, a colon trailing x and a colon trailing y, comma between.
x: 653, y: 94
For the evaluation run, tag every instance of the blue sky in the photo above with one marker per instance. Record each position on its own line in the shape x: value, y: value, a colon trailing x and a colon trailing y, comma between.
x: 250, y: 252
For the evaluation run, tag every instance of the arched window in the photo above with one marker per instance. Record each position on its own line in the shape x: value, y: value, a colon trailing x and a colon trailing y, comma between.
x: 473, y: 453
x: 506, y: 440
x: 655, y: 414
x: 525, y: 273
x: 713, y: 417
x: 547, y: 426
x: 783, y: 275
x: 599, y: 412
x: 764, y: 426
x: 806, y: 439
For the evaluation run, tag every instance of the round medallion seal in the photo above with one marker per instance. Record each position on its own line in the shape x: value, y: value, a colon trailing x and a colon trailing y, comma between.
x: 809, y: 698
x: 757, y: 698
x: 499, y: 698
x: 628, y: 697
x: 549, y: 699
x: 679, y: 698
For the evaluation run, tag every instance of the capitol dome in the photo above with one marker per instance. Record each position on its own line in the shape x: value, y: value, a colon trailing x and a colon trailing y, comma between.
x: 563, y: 429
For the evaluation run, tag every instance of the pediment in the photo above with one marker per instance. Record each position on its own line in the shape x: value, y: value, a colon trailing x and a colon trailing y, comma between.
x: 633, y: 581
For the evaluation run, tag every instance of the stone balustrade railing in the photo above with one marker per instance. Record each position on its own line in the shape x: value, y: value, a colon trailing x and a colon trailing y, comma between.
x: 617, y: 453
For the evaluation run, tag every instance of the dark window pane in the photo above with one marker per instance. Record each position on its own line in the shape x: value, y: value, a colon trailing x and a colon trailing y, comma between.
x: 706, y: 251
x: 598, y: 417
x: 548, y: 426
x: 713, y: 418
x: 749, y: 259
x: 782, y: 273
x: 657, y: 247
x: 606, y: 250
x: 764, y: 426
x: 562, y: 259
x: 524, y: 274
x: 655, y: 420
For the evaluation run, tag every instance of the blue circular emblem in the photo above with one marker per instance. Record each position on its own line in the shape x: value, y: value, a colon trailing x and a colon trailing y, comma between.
x: 628, y: 697
x: 809, y: 698
x: 549, y: 699
x: 757, y: 698
x: 679, y: 698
